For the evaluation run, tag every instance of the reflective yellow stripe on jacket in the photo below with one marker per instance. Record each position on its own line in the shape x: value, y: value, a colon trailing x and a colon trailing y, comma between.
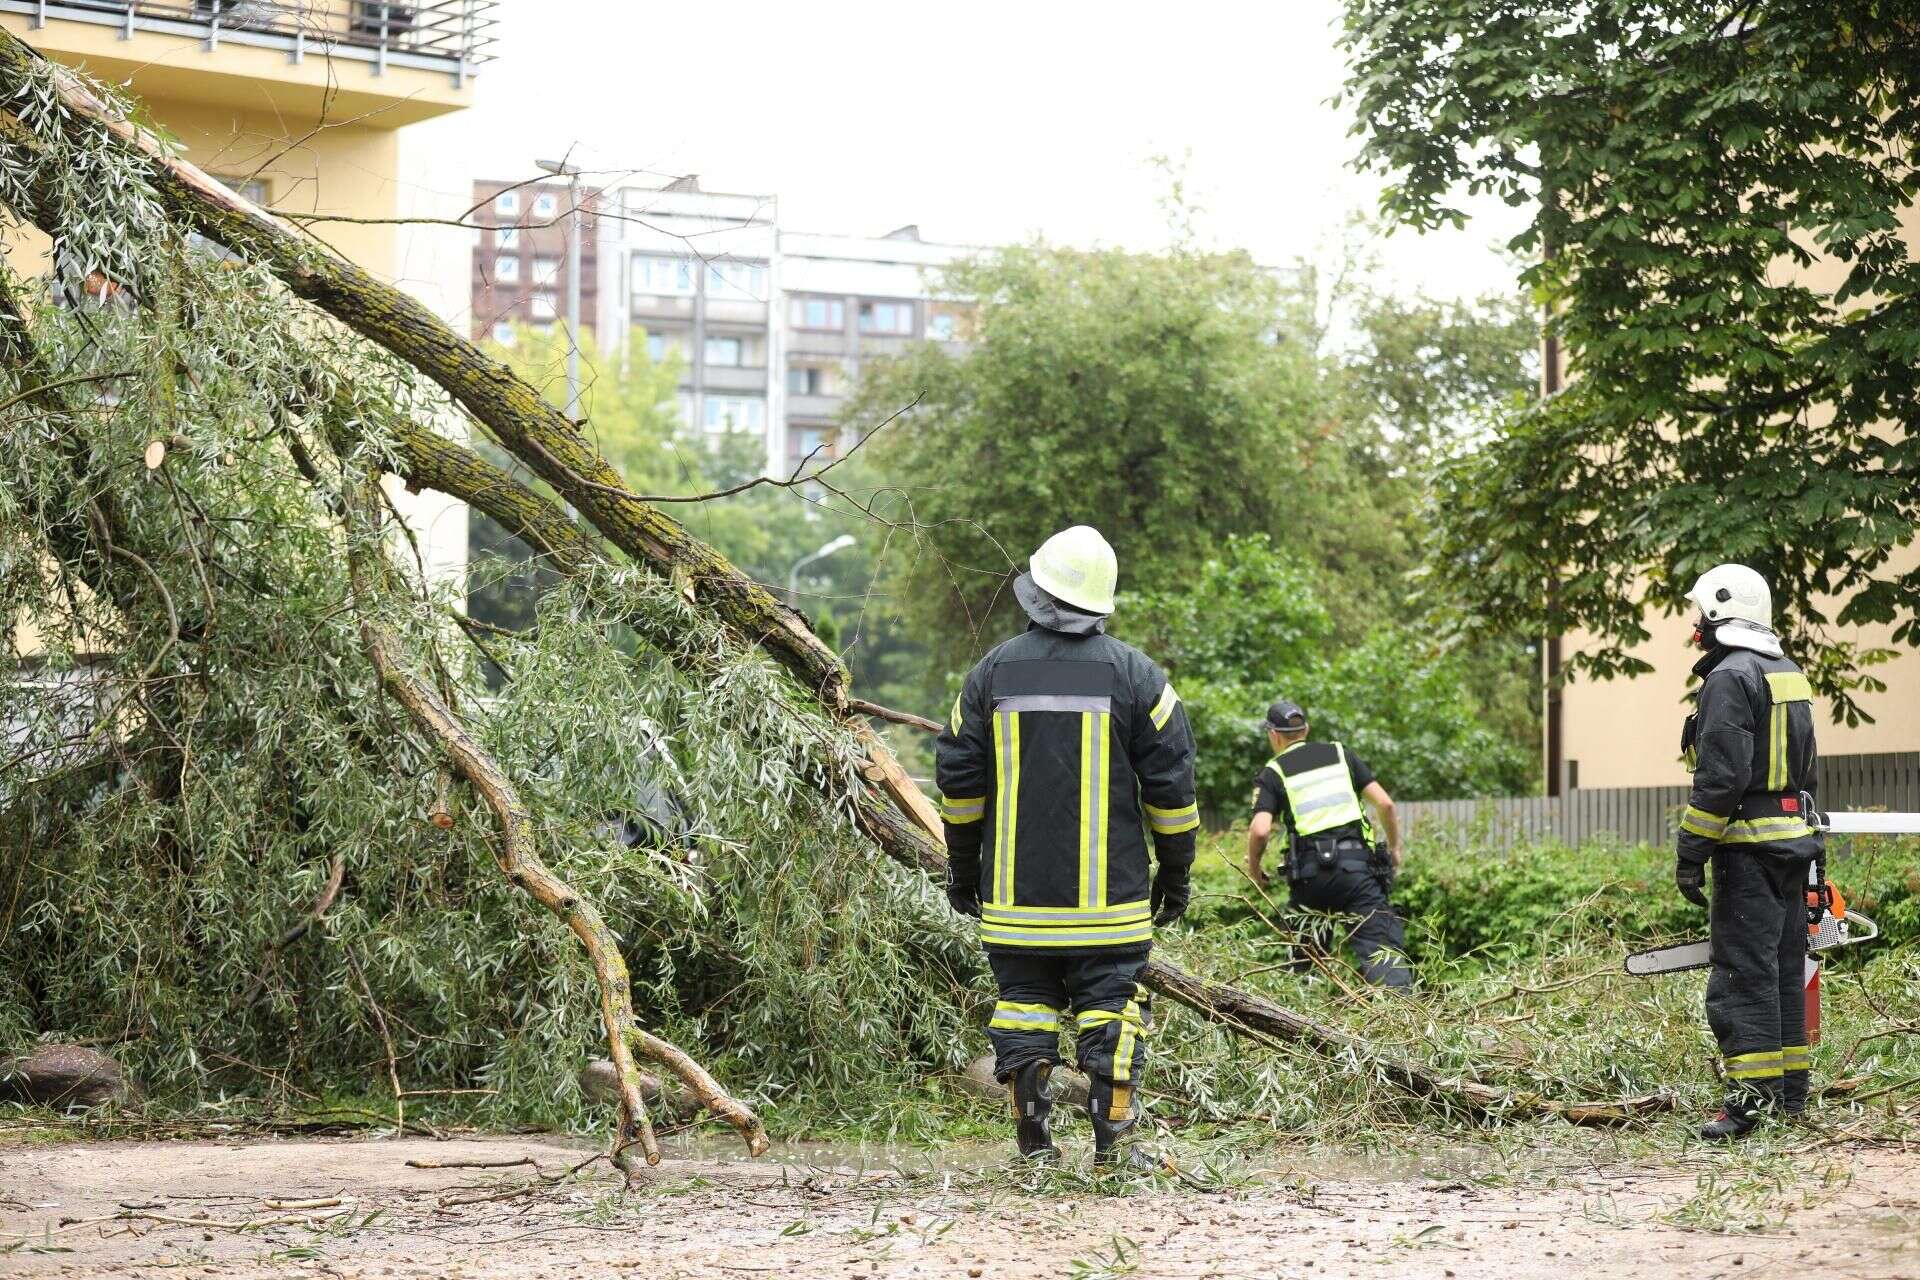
x: 1761, y: 830
x: 1785, y: 688
x: 1006, y: 759
x: 1115, y: 925
x: 1171, y: 822
x: 1701, y: 823
x: 960, y: 810
x: 1163, y: 709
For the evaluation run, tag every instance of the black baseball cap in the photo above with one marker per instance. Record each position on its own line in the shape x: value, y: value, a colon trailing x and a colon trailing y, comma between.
x: 1286, y: 716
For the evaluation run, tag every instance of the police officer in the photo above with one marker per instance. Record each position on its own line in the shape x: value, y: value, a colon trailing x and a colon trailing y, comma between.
x: 1333, y: 862
x: 1750, y: 745
x: 1065, y: 747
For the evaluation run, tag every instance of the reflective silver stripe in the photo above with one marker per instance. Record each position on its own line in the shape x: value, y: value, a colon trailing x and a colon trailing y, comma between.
x: 1053, y: 702
x: 1067, y: 918
x: 1314, y: 805
x: 1071, y: 937
x: 1043, y: 1020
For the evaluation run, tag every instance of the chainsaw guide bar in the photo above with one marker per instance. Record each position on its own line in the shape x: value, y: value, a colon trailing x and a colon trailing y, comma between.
x: 1842, y: 932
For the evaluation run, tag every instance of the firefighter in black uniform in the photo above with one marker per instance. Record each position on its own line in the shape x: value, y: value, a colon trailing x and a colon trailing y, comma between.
x: 1333, y: 862
x: 1064, y: 748
x: 1750, y: 745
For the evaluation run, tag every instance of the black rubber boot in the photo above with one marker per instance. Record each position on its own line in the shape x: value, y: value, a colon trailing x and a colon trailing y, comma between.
x: 1742, y: 1112
x: 1031, y: 1089
x: 1793, y: 1092
x: 1116, y: 1145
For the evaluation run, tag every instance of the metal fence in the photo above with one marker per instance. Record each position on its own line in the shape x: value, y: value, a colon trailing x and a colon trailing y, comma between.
x: 1644, y: 815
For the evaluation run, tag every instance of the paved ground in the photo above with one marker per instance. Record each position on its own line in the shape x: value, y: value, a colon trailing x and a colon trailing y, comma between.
x: 354, y: 1208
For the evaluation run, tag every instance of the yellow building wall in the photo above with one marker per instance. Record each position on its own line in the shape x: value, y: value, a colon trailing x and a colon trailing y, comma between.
x: 325, y: 137
x: 1626, y: 733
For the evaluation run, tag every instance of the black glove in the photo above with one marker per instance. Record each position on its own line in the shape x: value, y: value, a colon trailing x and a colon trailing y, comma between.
x: 963, y: 889
x: 1172, y: 890
x: 1691, y: 877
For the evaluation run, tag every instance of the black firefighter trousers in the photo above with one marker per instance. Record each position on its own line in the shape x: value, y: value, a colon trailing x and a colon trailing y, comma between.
x: 1356, y: 886
x: 1756, y: 991
x: 1100, y: 989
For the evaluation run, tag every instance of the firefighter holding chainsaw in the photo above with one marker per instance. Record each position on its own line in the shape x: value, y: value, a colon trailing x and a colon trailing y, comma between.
x: 1065, y: 749
x: 1750, y: 816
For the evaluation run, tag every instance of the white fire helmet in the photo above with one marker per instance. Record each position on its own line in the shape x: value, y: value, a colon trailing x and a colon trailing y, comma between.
x: 1077, y: 567
x: 1736, y: 600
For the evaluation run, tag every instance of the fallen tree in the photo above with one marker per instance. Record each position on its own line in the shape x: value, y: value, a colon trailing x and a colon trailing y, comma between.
x: 55, y: 118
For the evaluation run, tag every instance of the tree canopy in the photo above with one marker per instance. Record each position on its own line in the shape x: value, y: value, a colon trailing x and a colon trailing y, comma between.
x: 1146, y: 395
x: 1718, y: 194
x: 1250, y: 625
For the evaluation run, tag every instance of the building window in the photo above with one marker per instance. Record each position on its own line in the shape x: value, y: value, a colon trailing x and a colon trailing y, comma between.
x: 503, y: 332
x: 818, y: 313
x: 506, y: 270
x: 662, y: 275
x: 735, y: 413
x: 542, y: 306
x: 736, y: 280
x: 659, y: 347
x: 804, y: 442
x: 807, y: 380
x: 546, y: 205
x: 940, y: 327
x: 506, y: 237
x: 546, y: 272
x: 727, y: 351
x: 507, y: 203
x: 886, y: 317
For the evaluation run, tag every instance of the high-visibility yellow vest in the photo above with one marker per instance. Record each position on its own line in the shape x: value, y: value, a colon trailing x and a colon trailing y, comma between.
x: 1321, y: 797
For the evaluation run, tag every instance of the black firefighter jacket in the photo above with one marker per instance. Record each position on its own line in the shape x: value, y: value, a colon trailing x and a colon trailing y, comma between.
x: 1061, y: 752
x: 1750, y: 745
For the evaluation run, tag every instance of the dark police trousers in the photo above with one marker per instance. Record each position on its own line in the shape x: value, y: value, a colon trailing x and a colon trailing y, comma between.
x: 1756, y: 992
x: 1354, y: 884
x: 1100, y: 989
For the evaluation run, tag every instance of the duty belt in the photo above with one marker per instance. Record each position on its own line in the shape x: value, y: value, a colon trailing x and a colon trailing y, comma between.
x: 1765, y: 816
x: 1327, y: 851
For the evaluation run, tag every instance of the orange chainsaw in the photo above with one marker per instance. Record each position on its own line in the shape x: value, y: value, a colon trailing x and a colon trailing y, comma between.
x: 1829, y: 923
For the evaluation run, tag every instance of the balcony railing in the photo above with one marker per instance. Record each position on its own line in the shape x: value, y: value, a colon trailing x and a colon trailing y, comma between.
x: 452, y: 35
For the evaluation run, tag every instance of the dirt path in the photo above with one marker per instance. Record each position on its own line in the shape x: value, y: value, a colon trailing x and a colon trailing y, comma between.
x: 819, y: 1214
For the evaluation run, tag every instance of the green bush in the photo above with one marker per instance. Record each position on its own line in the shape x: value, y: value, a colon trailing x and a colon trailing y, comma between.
x: 1462, y: 901
x: 1253, y: 625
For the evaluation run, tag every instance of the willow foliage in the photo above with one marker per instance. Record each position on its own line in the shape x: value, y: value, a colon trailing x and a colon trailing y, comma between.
x: 194, y: 734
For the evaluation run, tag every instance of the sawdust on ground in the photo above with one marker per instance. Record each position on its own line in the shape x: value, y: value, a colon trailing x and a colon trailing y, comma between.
x: 354, y: 1208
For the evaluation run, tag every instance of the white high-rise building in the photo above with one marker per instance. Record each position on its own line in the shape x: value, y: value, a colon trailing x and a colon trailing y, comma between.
x: 771, y: 325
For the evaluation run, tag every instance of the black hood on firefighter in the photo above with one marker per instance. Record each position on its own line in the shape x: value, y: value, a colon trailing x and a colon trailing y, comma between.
x: 1055, y: 615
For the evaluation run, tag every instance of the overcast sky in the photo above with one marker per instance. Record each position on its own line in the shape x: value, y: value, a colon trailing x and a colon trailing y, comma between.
x: 981, y: 122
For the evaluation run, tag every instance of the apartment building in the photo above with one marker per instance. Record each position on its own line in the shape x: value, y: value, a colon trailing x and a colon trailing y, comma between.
x: 520, y: 265
x: 770, y: 326
x: 304, y: 106
x: 849, y: 300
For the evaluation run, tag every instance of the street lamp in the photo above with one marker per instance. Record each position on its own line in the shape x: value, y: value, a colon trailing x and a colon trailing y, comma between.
x: 560, y: 168
x: 840, y: 543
